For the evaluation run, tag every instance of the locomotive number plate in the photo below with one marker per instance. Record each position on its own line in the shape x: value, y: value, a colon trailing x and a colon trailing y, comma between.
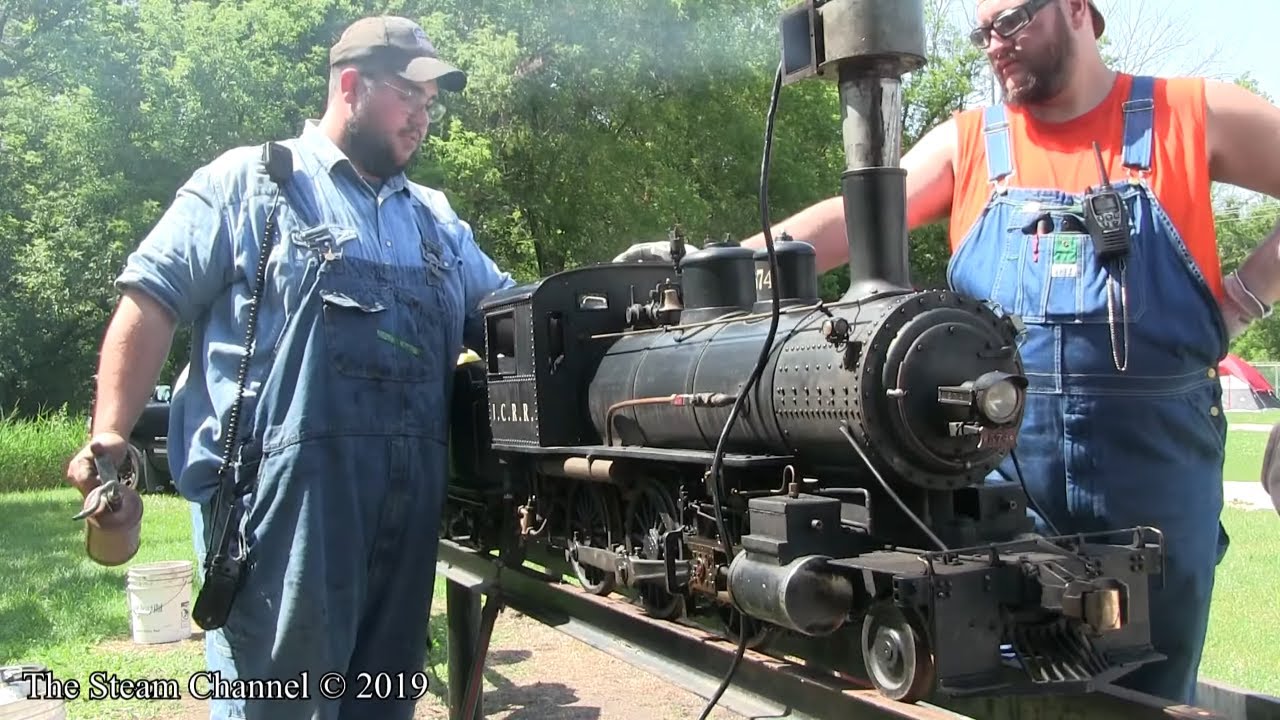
x: 998, y: 438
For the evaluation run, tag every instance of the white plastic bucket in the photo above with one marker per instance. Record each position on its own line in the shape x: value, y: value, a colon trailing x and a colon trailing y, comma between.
x: 160, y: 601
x: 15, y: 703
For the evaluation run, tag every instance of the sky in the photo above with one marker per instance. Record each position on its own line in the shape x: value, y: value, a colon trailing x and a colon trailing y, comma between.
x: 1231, y: 36
x: 1221, y: 39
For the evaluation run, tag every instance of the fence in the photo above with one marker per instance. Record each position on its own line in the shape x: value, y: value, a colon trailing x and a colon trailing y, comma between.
x: 1270, y: 371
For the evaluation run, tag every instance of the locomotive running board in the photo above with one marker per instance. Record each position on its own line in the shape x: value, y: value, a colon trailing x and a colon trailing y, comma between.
x: 696, y: 660
x: 639, y: 452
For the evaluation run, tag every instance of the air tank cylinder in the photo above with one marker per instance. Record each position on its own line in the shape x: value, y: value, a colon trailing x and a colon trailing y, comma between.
x: 800, y: 595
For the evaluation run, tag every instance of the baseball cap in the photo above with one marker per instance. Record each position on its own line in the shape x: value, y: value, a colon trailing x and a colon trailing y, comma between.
x: 399, y: 45
x: 1099, y: 24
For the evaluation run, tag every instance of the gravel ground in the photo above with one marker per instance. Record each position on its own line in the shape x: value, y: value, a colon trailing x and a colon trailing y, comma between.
x: 536, y: 672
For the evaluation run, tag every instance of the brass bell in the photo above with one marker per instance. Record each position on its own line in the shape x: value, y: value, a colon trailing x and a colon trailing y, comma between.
x: 670, y: 300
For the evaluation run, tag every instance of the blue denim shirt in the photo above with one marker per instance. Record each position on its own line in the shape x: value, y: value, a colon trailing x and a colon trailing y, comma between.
x: 200, y: 260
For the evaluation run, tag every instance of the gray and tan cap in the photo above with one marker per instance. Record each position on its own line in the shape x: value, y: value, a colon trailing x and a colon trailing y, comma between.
x: 1099, y: 24
x: 398, y: 45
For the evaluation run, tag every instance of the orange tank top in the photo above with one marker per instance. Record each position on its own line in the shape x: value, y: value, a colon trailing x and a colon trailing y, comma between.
x: 1060, y: 156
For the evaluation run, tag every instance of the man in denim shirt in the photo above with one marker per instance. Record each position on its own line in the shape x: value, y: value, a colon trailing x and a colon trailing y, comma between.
x: 371, y: 284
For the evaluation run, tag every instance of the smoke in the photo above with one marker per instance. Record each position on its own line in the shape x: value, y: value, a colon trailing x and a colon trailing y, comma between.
x: 661, y: 42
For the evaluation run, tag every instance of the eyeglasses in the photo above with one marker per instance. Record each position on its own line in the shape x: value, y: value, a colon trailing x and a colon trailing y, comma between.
x: 414, y: 99
x: 1008, y: 23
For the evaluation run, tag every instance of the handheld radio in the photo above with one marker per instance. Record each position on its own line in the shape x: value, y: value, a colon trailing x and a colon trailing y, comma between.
x: 1106, y: 217
x: 224, y: 569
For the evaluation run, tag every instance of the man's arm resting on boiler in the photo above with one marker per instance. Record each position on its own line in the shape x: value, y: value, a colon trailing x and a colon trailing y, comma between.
x: 930, y: 166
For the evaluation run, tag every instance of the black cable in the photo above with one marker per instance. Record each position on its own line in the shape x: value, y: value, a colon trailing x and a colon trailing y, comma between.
x: 717, y: 461
x: 844, y: 430
x: 223, y: 505
x: 733, y: 667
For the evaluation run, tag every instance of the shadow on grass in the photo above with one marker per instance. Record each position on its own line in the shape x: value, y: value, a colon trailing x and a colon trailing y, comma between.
x: 22, y: 624
x: 542, y: 700
x: 51, y: 588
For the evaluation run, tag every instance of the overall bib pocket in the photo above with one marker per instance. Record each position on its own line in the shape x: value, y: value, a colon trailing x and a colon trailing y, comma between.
x: 1050, y: 272
x: 374, y: 334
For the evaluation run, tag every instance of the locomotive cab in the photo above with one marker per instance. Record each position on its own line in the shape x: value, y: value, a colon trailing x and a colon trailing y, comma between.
x: 540, y: 341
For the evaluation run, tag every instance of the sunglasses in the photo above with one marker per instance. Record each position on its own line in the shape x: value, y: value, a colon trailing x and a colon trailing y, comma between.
x: 1008, y: 23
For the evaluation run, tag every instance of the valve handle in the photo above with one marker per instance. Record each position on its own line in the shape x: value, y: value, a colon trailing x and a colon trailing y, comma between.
x: 106, y: 494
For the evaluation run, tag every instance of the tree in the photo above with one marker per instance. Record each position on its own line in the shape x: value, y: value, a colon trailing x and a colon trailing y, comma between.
x: 1242, y: 222
x: 1145, y: 37
x: 588, y: 125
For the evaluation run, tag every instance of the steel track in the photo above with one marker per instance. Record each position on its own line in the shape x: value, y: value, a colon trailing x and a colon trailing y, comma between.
x: 696, y: 660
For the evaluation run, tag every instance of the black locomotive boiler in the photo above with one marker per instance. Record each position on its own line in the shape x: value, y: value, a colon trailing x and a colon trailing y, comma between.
x: 711, y: 439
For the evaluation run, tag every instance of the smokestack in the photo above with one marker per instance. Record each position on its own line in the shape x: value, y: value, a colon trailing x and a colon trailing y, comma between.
x: 866, y: 46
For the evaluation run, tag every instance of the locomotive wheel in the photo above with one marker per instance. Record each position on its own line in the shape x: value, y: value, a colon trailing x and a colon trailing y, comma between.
x: 760, y: 632
x: 896, y: 654
x: 593, y: 517
x: 650, y: 514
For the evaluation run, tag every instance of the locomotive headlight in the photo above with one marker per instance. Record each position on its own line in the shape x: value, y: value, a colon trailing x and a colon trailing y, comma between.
x: 995, y: 397
x: 1000, y: 401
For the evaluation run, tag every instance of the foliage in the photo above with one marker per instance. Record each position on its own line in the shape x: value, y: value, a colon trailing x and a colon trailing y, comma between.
x: 1242, y: 223
x: 34, y: 451
x: 587, y: 126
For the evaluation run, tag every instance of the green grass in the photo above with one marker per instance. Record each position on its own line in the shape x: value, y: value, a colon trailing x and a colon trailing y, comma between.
x: 1264, y: 417
x: 59, y: 609
x: 1243, y: 644
x: 1244, y: 456
x: 34, y: 453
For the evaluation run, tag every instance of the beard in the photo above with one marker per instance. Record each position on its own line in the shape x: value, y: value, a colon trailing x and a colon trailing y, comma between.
x: 1044, y: 72
x: 370, y: 149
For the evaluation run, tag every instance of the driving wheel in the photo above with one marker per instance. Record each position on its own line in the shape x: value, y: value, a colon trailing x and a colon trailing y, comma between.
x: 593, y: 517
x: 651, y: 513
x: 759, y: 632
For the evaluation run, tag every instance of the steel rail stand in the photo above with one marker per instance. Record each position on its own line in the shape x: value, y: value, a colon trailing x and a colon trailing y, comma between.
x: 462, y: 611
x: 470, y: 628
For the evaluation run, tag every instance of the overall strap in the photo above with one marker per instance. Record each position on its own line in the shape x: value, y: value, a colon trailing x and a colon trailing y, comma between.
x: 1139, y: 120
x: 428, y: 228
x: 995, y: 131
x: 290, y: 171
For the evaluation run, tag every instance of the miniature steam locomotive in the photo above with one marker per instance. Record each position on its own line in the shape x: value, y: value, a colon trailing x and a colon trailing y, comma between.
x: 845, y: 515
x: 853, y: 483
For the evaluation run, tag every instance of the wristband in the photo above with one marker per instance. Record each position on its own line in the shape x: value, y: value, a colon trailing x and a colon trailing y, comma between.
x: 1264, y: 310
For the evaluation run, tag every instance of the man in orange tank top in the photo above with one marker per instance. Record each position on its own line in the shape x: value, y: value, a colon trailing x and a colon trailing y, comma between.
x: 1125, y: 323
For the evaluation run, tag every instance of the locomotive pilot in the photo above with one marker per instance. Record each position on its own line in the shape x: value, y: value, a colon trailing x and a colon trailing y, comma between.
x: 1124, y: 425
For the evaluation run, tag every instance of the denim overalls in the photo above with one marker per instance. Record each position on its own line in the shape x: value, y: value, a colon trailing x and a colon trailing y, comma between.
x: 345, y: 412
x: 1123, y: 422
